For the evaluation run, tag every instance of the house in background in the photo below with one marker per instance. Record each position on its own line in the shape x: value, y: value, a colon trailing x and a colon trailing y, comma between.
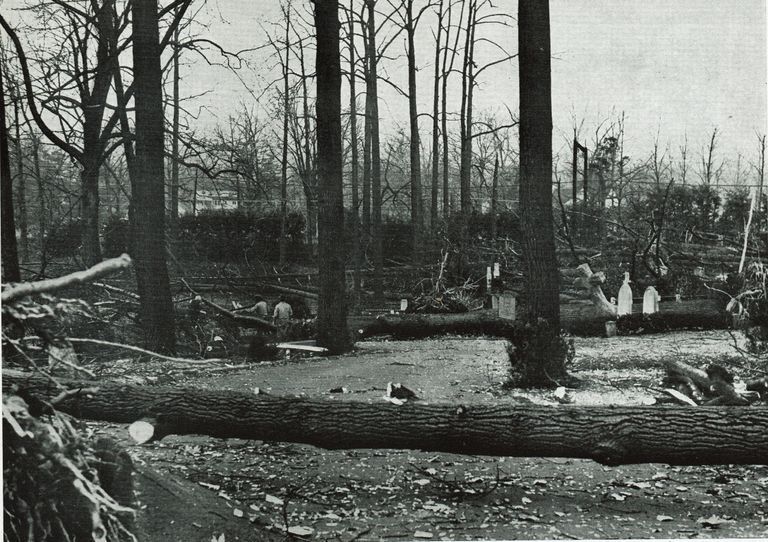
x: 209, y: 200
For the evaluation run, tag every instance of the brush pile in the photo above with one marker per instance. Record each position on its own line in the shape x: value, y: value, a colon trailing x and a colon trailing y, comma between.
x: 434, y: 297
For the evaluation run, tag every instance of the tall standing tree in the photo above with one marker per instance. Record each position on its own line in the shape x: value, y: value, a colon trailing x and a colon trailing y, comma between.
x: 372, y: 117
x: 536, y: 219
x: 148, y: 198
x: 10, y: 257
x: 284, y: 165
x: 465, y: 119
x: 174, y: 188
x: 357, y: 253
x: 332, y: 306
x: 417, y: 215
x: 435, y: 188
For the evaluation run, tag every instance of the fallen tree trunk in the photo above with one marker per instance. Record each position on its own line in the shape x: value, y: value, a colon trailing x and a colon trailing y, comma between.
x: 240, y: 319
x: 418, y: 325
x: 576, y: 318
x: 23, y: 289
x: 608, y: 435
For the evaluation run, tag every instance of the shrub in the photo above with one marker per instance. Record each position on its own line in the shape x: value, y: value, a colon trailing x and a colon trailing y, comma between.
x: 117, y: 236
x: 231, y: 235
x: 66, y: 239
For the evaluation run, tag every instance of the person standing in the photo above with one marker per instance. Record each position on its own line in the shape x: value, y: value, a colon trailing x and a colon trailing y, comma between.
x: 281, y: 316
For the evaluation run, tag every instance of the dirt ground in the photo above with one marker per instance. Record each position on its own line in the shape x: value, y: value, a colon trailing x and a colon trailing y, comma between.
x: 200, y: 488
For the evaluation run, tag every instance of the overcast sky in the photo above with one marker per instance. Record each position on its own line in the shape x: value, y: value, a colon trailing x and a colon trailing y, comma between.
x: 681, y: 67
x: 676, y: 67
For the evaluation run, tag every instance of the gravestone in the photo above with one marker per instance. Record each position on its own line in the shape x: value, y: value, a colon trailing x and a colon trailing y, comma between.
x: 507, y: 306
x: 625, y: 298
x: 403, y: 305
x: 651, y: 300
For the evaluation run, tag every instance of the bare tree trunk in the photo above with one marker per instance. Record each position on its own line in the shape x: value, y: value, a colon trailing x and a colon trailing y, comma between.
x: 41, y: 207
x: 446, y: 69
x: 366, y: 220
x: 310, y: 180
x: 94, y: 104
x: 284, y: 165
x: 332, y: 303
x: 467, y: 90
x: 356, y: 252
x: 157, y: 313
x: 494, y: 196
x: 539, y: 257
x: 9, y: 251
x: 372, y: 87
x: 417, y: 215
x: 760, y: 178
x: 21, y: 194
x: 174, y: 211
x: 433, y: 210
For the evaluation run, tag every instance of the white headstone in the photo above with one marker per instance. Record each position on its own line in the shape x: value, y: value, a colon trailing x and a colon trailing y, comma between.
x: 496, y: 270
x: 625, y: 298
x: 651, y: 300
x: 507, y: 306
x: 488, y: 277
x: 403, y: 304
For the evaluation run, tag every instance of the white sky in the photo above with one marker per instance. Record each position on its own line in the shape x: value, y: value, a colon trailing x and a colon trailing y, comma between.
x: 676, y: 67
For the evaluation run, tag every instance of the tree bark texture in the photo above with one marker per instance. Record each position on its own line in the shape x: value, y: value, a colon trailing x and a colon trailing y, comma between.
x: 540, y: 260
x: 332, y: 304
x: 21, y: 192
x: 435, y: 188
x: 9, y: 251
x: 283, y: 243
x: 417, y: 214
x: 467, y: 89
x: 373, y: 94
x: 606, y: 434
x: 357, y: 254
x: 156, y: 314
x: 94, y: 105
x: 494, y: 196
x: 536, y: 220
x: 174, y: 211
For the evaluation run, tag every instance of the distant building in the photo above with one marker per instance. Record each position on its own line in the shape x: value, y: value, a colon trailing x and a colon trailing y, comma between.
x: 209, y: 200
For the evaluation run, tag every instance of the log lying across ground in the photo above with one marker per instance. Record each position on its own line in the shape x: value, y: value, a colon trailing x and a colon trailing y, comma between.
x: 609, y: 435
x: 415, y: 325
x: 577, y: 318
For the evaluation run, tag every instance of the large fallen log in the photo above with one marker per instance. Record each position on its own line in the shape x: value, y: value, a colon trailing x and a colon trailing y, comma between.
x: 417, y: 325
x: 576, y: 318
x: 609, y: 435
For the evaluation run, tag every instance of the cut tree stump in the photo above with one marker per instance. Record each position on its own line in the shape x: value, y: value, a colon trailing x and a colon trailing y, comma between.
x: 608, y: 435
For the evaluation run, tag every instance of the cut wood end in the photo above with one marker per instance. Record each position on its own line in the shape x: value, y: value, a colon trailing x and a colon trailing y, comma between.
x: 142, y: 431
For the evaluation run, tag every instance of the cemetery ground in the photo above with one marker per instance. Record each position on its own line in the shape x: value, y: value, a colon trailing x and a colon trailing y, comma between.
x: 200, y: 488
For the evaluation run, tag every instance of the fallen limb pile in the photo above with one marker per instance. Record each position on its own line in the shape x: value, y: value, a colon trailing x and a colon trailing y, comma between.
x: 239, y: 319
x: 609, y: 435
